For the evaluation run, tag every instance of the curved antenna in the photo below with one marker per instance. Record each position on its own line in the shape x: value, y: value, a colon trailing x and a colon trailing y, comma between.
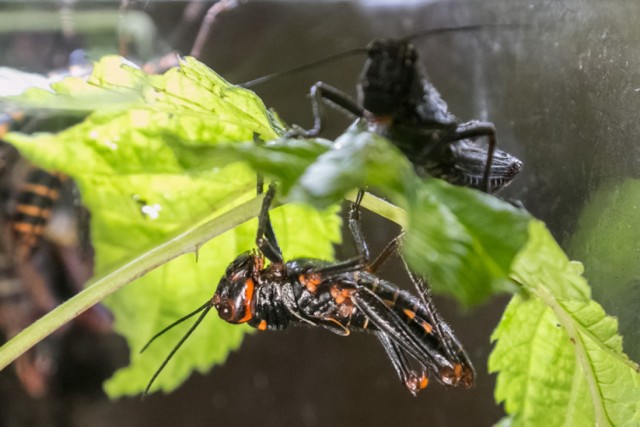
x: 327, y: 60
x: 177, y: 322
x: 205, y: 309
x: 338, y: 56
x: 464, y: 28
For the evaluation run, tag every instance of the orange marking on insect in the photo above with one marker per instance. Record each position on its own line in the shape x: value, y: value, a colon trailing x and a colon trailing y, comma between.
x: 25, y: 228
x: 248, y: 295
x: 32, y: 210
x: 310, y: 281
x: 457, y: 370
x: 410, y: 314
x: 40, y: 190
x: 341, y: 296
x: 427, y: 327
x: 424, y: 382
x: 336, y: 294
x: 262, y: 325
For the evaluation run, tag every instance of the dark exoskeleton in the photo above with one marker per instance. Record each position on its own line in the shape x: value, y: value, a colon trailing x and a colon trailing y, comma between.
x: 341, y: 297
x: 398, y: 102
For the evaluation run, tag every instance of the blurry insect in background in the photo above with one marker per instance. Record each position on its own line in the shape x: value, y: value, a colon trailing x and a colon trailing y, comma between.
x: 341, y: 297
x: 45, y: 250
x: 397, y: 101
x: 45, y: 257
x: 46, y: 254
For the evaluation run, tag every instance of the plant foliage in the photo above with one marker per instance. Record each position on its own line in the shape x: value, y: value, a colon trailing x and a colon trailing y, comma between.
x: 163, y: 153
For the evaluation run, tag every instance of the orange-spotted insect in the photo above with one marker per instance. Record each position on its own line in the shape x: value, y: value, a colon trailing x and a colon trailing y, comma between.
x: 341, y: 297
x: 36, y: 197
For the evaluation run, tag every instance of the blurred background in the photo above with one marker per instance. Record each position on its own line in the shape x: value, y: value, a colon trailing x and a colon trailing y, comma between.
x: 562, y: 88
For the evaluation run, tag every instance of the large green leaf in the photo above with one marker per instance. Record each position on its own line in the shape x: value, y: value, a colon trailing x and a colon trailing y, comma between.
x: 558, y: 355
x: 184, y: 151
x: 140, y: 195
x: 606, y: 240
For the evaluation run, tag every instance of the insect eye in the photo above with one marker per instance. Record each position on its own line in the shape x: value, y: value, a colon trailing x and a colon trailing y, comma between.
x: 225, y: 310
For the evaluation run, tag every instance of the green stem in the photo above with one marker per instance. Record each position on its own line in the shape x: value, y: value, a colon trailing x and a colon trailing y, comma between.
x: 189, y: 241
x: 186, y: 242
x: 382, y: 208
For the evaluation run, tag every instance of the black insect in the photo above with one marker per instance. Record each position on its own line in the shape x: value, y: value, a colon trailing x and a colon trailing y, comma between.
x: 397, y: 101
x: 341, y: 297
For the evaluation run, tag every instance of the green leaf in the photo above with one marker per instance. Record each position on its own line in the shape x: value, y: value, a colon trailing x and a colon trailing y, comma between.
x: 462, y: 240
x: 606, y: 240
x: 357, y: 159
x: 140, y: 195
x: 171, y: 160
x: 558, y: 355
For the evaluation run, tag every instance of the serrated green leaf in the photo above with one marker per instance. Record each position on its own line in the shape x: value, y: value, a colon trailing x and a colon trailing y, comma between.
x: 606, y: 240
x: 140, y: 195
x: 464, y: 241
x: 358, y: 159
x: 559, y: 357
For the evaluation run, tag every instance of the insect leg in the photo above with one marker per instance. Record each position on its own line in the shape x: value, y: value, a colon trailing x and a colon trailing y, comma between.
x: 474, y: 129
x: 390, y: 323
x: 356, y: 230
x: 361, y: 261
x: 463, y: 368
x: 392, y: 248
x: 413, y: 381
x: 322, y: 92
x: 266, y: 238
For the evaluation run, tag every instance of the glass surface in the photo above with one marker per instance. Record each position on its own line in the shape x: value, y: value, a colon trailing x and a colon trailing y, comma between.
x: 562, y: 88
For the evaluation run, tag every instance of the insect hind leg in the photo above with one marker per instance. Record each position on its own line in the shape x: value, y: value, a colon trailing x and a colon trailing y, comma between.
x: 412, y: 380
x: 266, y: 238
x: 321, y: 92
x: 463, y: 371
x: 361, y: 260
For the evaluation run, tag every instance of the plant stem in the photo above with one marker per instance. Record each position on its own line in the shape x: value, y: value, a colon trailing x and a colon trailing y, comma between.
x: 186, y: 242
x: 189, y: 241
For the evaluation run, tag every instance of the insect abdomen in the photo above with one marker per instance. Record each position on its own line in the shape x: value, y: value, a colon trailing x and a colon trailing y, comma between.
x: 34, y: 202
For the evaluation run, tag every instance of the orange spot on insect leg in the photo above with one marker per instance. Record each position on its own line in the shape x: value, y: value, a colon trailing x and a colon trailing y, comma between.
x: 410, y: 314
x: 427, y: 327
x: 415, y: 382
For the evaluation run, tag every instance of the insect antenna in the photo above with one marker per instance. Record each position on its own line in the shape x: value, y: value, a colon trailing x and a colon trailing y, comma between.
x: 363, y: 50
x: 462, y: 29
x: 205, y: 309
x: 303, y: 67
